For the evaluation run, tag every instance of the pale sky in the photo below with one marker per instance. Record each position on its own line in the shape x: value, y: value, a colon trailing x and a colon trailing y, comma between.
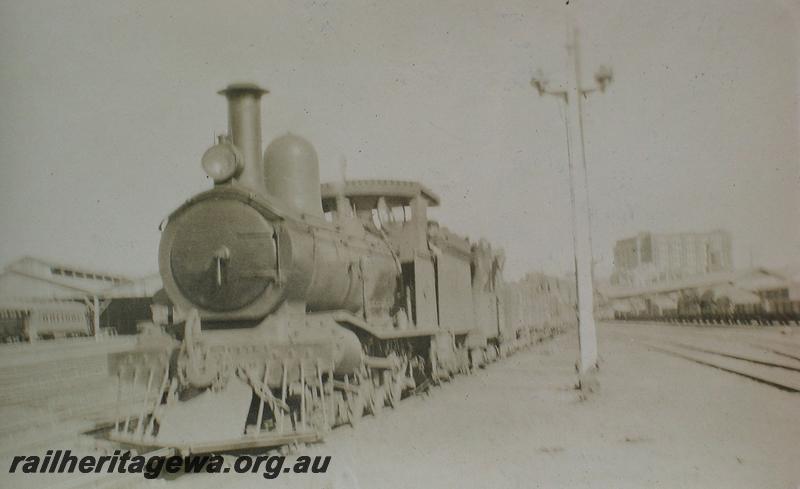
x: 107, y: 106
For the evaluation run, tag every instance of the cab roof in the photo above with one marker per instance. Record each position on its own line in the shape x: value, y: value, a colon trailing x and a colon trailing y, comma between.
x: 391, y: 189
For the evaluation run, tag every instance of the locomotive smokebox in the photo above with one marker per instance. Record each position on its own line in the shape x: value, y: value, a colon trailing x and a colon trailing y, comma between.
x: 244, y: 126
x: 291, y: 172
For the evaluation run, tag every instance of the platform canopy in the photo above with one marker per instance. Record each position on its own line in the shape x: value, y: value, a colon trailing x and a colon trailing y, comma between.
x: 621, y: 306
x: 736, y: 295
x: 758, y: 282
x: 664, y: 302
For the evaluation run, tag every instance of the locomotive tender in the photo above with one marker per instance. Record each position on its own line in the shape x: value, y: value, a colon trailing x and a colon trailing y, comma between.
x: 305, y: 305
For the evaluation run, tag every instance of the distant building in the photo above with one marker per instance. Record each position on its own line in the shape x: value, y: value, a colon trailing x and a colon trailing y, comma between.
x: 752, y: 290
x: 37, y: 279
x: 111, y: 302
x: 651, y: 258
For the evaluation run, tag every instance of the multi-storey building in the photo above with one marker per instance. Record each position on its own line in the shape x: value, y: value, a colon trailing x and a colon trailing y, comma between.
x: 649, y: 258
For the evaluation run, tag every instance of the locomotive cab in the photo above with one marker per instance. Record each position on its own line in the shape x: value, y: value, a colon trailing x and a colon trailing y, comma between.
x: 397, y: 212
x: 398, y: 209
x: 448, y: 284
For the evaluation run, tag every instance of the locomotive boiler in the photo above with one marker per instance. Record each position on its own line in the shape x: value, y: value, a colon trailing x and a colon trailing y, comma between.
x: 303, y: 305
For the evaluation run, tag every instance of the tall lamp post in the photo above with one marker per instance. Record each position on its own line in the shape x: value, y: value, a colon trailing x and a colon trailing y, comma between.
x: 572, y: 97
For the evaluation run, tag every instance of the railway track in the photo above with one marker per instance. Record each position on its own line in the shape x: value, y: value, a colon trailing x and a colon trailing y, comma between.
x: 783, y: 350
x: 760, y: 364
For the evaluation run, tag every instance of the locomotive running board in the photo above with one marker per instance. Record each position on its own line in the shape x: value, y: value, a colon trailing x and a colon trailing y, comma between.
x: 242, y: 443
x: 381, y: 333
x: 248, y: 442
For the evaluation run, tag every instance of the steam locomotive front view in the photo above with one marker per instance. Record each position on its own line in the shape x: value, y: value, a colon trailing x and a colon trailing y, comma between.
x: 258, y: 240
x: 303, y: 305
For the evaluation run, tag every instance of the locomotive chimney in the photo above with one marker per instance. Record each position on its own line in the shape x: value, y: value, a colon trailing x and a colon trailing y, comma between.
x: 244, y: 126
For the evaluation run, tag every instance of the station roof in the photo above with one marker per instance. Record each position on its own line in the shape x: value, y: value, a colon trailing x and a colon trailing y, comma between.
x: 621, y: 306
x: 402, y: 189
x: 665, y: 302
x: 736, y: 295
x: 751, y: 279
x: 34, y: 280
x: 59, y: 278
x: 762, y: 282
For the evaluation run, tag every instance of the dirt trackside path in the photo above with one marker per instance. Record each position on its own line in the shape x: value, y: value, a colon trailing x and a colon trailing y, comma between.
x: 659, y: 421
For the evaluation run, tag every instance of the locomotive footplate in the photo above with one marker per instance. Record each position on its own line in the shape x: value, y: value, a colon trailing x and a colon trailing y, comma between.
x: 240, y: 443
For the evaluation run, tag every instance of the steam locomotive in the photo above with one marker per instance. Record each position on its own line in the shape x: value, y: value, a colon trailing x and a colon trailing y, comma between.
x: 304, y: 305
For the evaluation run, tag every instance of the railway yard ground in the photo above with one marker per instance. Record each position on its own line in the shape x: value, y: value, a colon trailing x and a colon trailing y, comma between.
x: 678, y: 406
